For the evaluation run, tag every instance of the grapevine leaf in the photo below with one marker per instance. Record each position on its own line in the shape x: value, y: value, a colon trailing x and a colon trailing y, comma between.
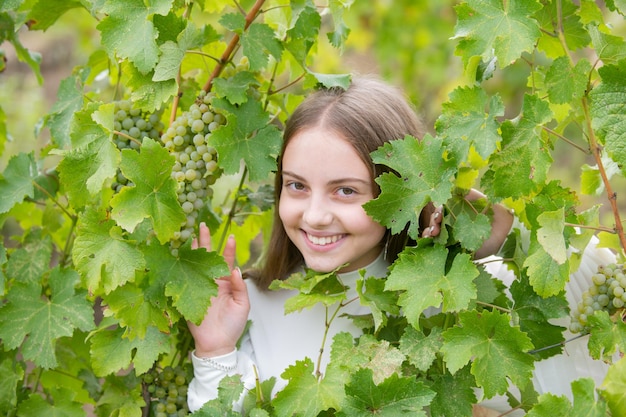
x: 614, y: 388
x: 102, y: 255
x: 122, y: 397
x: 547, y: 277
x: 170, y: 26
x: 495, y: 28
x: 339, y: 35
x: 112, y: 352
x: 235, y: 22
x: 606, y: 336
x: 229, y: 390
x: 471, y: 233
x: 534, y: 313
x: 566, y: 83
x: 550, y: 234
x: 383, y: 359
x: 469, y: 119
x: 421, y: 350
x: 69, y: 101
x: 17, y: 181
x: 607, y: 110
x: 13, y: 374
x: 305, y: 395
x: 249, y: 136
x: 153, y: 195
x: 452, y: 289
x: 373, y: 295
x: 568, y: 27
x: 189, y: 279
x: 44, y: 14
x: 610, y: 49
x: 36, y: 322
x: 551, y: 405
x: 312, y: 288
x: 497, y: 350
x: 169, y: 63
x: 147, y: 94
x: 459, y: 394
x: 425, y: 176
x: 235, y: 88
x: 617, y: 5
x: 552, y: 197
x: 303, y: 35
x: 585, y: 404
x: 524, y: 160
x: 394, y: 396
x: 28, y: 263
x: 92, y: 123
x: 329, y: 80
x: 134, y: 310
x: 64, y: 405
x: 85, y: 170
x: 128, y: 32
x: 258, y: 43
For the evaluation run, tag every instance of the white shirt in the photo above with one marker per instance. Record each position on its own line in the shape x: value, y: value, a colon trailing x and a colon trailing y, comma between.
x: 276, y: 340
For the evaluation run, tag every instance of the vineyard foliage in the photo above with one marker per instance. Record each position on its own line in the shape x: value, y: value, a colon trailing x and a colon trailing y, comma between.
x: 98, y: 283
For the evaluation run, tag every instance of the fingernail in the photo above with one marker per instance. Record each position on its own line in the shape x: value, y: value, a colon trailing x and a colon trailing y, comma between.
x: 436, y: 214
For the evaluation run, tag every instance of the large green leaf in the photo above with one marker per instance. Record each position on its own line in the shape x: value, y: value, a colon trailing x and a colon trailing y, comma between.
x: 421, y: 275
x: 607, y: 109
x: 504, y: 29
x: 424, y: 176
x: 17, y: 181
x: 153, y: 195
x: 497, y: 350
x: 35, y: 322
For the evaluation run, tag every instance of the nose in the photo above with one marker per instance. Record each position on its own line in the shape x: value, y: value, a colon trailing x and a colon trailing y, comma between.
x: 317, y: 212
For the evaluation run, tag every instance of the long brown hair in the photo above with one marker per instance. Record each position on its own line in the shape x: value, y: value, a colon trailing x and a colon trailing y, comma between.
x: 367, y: 114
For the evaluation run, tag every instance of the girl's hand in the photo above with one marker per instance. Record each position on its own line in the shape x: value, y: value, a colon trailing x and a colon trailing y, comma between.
x: 227, y: 315
x: 434, y: 225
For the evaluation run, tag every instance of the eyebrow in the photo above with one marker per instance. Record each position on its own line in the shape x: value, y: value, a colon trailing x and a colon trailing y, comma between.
x: 333, y: 182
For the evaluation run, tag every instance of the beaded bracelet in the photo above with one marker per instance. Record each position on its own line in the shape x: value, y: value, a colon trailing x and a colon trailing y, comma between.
x: 217, y: 365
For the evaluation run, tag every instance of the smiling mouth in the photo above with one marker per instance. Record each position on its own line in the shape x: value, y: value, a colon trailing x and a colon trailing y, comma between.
x: 323, y: 240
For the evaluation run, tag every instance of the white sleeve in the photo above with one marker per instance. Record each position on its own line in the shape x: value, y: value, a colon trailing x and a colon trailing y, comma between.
x: 207, y: 375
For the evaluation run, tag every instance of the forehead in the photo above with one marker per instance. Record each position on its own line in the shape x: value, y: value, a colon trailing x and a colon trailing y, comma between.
x: 323, y: 149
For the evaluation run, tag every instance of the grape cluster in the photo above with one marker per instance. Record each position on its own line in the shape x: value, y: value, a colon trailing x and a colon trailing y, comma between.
x: 168, y: 391
x: 607, y: 293
x: 131, y: 125
x: 195, y: 169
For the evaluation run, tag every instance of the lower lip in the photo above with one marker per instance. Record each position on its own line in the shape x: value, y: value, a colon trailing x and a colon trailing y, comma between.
x: 322, y: 248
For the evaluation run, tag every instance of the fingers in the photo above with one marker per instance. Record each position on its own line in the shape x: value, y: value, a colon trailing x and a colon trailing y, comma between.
x: 435, y: 223
x: 230, y: 250
x: 204, y: 238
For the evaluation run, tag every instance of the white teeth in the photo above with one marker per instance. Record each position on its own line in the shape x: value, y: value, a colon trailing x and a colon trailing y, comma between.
x: 322, y: 241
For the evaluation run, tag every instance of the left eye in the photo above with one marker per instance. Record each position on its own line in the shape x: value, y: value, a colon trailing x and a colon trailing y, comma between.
x: 346, y: 191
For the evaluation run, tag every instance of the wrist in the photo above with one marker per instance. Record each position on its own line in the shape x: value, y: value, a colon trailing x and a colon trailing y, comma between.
x: 212, y: 353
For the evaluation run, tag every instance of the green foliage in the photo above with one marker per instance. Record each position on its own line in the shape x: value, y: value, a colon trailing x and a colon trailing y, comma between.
x: 91, y: 290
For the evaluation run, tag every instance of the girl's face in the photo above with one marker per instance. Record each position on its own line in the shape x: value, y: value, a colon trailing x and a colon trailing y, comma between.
x: 325, y: 184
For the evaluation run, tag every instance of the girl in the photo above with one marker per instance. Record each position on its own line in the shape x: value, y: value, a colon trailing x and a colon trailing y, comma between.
x: 325, y: 175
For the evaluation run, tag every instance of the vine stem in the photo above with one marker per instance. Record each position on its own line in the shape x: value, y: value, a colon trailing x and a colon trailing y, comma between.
x: 612, y: 196
x: 232, y: 45
x: 178, y: 74
x: 231, y: 213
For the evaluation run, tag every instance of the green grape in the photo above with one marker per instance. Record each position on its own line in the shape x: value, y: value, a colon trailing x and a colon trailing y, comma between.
x: 170, y: 399
x: 607, y: 293
x: 131, y: 125
x: 195, y: 169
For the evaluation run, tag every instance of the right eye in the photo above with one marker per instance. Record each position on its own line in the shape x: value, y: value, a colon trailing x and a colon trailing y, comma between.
x: 294, y: 185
